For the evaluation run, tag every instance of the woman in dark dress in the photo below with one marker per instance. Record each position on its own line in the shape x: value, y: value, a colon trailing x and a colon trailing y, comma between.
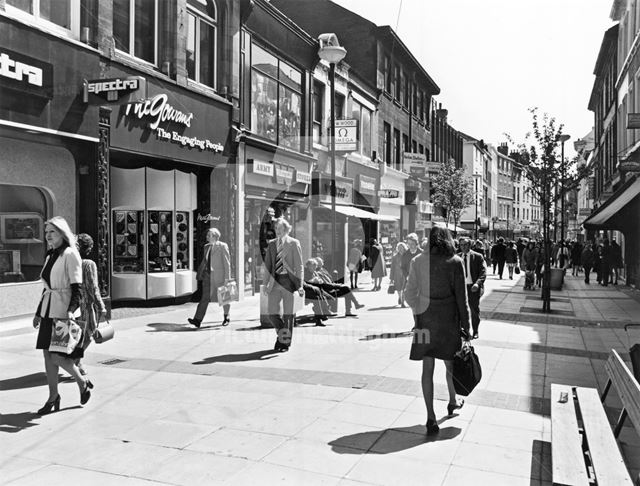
x: 437, y: 294
x: 377, y: 264
x: 62, y: 277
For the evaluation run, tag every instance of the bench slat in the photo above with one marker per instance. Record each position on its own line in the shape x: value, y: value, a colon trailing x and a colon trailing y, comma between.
x: 566, y: 442
x: 626, y: 386
x: 608, y: 465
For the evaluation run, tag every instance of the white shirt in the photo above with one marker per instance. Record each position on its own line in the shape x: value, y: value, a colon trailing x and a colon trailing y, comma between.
x: 466, y: 257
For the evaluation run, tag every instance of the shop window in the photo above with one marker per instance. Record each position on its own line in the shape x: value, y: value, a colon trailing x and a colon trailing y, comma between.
x: 23, y: 211
x: 363, y: 115
x: 135, y: 28
x: 276, y: 99
x: 128, y: 235
x: 201, y: 42
x: 59, y: 15
x: 318, y: 112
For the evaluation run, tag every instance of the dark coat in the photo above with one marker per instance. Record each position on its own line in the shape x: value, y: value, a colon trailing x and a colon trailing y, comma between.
x: 477, y: 267
x: 219, y: 268
x: 437, y: 294
x: 377, y: 264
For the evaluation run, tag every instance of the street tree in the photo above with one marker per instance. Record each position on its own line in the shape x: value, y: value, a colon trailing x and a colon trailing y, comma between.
x: 453, y: 191
x: 538, y: 155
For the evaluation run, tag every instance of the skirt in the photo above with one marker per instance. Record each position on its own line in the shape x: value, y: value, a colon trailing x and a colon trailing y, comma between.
x: 436, y: 335
x: 44, y: 339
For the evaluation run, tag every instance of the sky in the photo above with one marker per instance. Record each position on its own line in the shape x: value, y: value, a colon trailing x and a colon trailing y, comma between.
x: 495, y: 59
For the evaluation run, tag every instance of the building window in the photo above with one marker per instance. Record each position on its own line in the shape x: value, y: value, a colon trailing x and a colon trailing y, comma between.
x: 135, y: 28
x: 318, y: 113
x: 339, y: 106
x: 276, y: 99
x: 398, y: 83
x: 414, y: 92
x: 405, y: 142
x: 388, y: 75
x: 414, y: 147
x: 363, y: 115
x: 59, y: 15
x: 201, y: 42
x: 407, y: 91
x: 420, y: 148
x: 387, y: 144
x: 397, y: 155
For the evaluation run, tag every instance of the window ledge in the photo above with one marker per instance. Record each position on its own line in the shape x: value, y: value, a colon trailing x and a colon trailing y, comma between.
x: 205, y: 90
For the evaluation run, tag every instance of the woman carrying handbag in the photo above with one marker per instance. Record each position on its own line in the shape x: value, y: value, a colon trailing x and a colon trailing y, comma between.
x: 92, y: 306
x: 62, y: 276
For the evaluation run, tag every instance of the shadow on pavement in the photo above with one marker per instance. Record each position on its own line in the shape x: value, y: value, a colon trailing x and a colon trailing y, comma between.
x: 541, y: 467
x: 388, y: 307
x: 386, y: 335
x: 16, y: 422
x: 27, y: 381
x: 391, y: 440
x: 173, y: 327
x: 234, y: 358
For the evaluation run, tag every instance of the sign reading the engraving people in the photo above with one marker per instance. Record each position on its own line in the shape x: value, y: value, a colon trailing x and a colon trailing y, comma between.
x: 346, y: 135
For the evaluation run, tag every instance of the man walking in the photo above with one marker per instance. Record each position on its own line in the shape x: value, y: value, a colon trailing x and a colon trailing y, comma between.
x: 499, y: 252
x: 283, y: 262
x: 475, y: 274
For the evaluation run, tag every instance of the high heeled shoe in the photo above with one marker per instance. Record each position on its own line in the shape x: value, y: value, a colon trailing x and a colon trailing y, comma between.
x: 52, y: 406
x: 226, y: 321
x: 454, y: 406
x: 89, y: 384
x: 432, y: 427
x: 86, y: 393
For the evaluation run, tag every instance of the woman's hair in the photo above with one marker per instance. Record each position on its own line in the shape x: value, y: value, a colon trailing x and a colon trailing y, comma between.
x: 60, y: 224
x: 440, y: 242
x: 84, y: 244
x: 214, y: 232
x: 412, y: 237
x: 310, y: 262
x: 403, y: 245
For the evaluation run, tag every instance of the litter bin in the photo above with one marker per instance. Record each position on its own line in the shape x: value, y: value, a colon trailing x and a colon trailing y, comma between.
x: 557, y: 278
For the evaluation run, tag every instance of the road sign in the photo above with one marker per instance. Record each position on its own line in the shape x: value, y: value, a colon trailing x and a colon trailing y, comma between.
x: 347, y: 135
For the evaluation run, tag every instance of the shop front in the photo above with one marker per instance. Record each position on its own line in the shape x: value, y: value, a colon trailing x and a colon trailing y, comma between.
x: 169, y: 184
x: 276, y: 185
x: 391, y: 196
x: 48, y: 142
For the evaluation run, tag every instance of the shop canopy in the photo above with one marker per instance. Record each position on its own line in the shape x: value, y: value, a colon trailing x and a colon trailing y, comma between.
x: 450, y: 227
x: 601, y: 218
x: 359, y: 213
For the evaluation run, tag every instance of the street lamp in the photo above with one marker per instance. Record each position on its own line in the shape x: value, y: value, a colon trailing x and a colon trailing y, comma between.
x: 331, y: 51
x: 563, y: 139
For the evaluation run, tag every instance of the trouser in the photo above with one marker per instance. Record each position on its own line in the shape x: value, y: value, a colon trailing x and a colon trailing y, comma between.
x: 606, y: 270
x: 474, y: 306
x: 201, y: 310
x: 587, y: 271
x: 500, y: 267
x: 282, y: 291
x: 337, y: 291
x: 353, y: 278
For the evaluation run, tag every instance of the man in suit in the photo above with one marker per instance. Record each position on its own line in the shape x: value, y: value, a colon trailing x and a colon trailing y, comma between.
x: 475, y: 274
x: 284, y: 277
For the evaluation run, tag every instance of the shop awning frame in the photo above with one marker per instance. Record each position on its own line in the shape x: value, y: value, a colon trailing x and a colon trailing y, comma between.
x: 600, y: 218
x: 359, y: 213
x: 450, y: 227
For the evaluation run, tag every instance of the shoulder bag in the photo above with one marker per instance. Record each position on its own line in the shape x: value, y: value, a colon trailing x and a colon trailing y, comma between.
x: 467, y: 371
x: 104, y: 332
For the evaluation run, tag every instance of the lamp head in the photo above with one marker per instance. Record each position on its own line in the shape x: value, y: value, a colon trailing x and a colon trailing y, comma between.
x: 330, y: 49
x: 564, y: 137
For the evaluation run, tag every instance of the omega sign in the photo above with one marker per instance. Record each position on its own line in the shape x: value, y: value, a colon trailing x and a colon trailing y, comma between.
x: 26, y: 73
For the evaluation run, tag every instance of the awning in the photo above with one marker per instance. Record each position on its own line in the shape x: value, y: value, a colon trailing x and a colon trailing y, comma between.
x: 359, y: 213
x: 450, y: 227
x: 612, y: 206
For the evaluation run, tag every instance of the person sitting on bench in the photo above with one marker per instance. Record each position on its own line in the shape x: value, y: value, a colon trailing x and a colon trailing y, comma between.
x: 336, y: 290
x: 319, y: 298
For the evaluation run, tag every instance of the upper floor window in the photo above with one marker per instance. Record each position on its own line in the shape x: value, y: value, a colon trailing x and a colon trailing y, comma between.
x: 276, y: 99
x: 135, y: 28
x: 59, y: 15
x: 363, y: 115
x: 201, y: 41
x: 318, y: 111
x: 398, y: 82
x: 388, y: 74
x: 387, y: 144
x: 407, y: 91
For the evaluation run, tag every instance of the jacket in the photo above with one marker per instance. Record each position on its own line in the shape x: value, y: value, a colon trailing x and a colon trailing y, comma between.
x: 477, y: 267
x: 219, y: 268
x: 66, y: 270
x: 292, y: 256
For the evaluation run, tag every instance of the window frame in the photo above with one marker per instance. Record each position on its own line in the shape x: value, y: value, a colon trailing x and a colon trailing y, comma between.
x: 132, y: 31
x: 213, y: 23
x: 317, y: 96
x: 361, y: 108
x: 74, y: 11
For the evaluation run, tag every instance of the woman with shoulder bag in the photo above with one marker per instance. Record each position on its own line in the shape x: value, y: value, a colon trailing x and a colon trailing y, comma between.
x: 92, y: 306
x: 62, y: 277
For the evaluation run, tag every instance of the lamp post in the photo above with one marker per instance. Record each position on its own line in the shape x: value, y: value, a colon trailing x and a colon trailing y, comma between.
x: 563, y: 139
x: 331, y: 51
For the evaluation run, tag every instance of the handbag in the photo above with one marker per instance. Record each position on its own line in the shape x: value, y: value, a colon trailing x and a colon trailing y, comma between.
x: 467, y: 371
x: 227, y: 293
x: 391, y: 289
x: 65, y: 336
x: 104, y: 332
x: 517, y: 269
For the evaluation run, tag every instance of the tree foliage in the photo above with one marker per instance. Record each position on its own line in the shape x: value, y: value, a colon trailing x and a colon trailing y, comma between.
x: 453, y: 190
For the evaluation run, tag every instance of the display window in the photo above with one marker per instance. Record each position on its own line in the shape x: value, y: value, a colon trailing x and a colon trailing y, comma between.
x: 23, y: 211
x: 128, y: 245
x: 182, y: 240
x: 160, y: 241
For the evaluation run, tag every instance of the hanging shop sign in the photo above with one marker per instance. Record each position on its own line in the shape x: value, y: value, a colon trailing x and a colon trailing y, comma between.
x: 26, y: 74
x: 303, y: 177
x: 346, y: 135
x: 261, y: 167
x: 121, y: 90
x: 414, y: 158
x: 366, y: 185
x: 633, y: 121
x: 389, y: 193
x: 344, y: 190
x: 284, y: 174
x: 425, y: 207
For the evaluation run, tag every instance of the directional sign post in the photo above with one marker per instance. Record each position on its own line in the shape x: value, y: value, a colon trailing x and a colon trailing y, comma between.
x: 347, y: 135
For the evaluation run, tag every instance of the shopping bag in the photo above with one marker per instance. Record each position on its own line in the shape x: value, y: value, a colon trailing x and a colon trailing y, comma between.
x: 467, y: 371
x: 517, y: 269
x: 391, y: 289
x: 104, y: 332
x: 227, y: 293
x: 298, y: 302
x: 65, y: 336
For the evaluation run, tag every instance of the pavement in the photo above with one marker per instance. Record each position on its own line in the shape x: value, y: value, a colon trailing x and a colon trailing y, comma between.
x: 177, y: 405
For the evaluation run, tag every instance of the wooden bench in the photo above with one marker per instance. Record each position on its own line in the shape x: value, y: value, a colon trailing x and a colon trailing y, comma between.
x: 583, y: 446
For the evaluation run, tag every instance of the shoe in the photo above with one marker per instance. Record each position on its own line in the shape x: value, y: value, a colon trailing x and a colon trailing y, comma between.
x: 323, y: 317
x: 52, y: 406
x: 454, y: 406
x: 226, y: 321
x: 432, y: 427
x: 475, y: 335
x: 399, y: 301
x: 350, y: 314
x: 194, y: 321
x: 359, y: 306
x: 89, y: 384
x: 86, y: 394
x: 320, y: 324
x: 82, y: 371
x: 510, y: 278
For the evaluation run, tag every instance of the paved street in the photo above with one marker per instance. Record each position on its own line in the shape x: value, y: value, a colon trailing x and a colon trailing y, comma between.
x: 177, y: 405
